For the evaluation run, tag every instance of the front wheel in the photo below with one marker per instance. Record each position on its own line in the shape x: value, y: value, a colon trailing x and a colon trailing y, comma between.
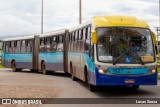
x: 135, y: 86
x: 92, y: 88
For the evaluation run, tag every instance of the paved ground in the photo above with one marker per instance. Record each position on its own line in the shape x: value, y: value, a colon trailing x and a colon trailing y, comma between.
x: 27, y: 84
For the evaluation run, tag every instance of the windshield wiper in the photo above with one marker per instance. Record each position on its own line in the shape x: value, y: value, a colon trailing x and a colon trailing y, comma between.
x: 120, y: 57
x: 139, y: 58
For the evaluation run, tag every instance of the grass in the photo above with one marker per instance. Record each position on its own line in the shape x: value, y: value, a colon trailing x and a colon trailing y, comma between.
x: 159, y: 77
x: 1, y: 66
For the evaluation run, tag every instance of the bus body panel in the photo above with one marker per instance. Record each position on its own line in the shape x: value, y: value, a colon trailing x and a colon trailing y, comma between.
x: 79, y: 61
x: 22, y: 60
x: 53, y: 60
x: 104, y: 79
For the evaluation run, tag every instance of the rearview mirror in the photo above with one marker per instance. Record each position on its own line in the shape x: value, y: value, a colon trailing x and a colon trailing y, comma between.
x: 94, y: 37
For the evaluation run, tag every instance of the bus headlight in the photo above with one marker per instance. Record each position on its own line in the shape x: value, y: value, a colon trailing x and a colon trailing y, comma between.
x: 153, y: 71
x: 102, y: 71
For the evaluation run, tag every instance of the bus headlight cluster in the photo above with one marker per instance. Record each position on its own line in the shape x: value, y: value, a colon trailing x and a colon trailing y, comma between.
x: 152, y: 71
x: 102, y: 71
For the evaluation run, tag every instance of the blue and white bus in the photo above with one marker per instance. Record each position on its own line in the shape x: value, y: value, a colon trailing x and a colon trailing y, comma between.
x: 113, y: 50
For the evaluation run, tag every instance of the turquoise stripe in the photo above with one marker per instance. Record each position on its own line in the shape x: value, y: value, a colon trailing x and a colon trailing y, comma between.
x: 52, y: 57
x: 18, y: 57
x: 133, y: 71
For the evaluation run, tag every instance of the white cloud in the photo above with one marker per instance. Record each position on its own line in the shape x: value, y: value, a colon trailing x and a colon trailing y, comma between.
x: 22, y: 17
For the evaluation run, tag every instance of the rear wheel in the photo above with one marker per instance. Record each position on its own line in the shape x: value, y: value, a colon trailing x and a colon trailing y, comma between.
x: 43, y: 68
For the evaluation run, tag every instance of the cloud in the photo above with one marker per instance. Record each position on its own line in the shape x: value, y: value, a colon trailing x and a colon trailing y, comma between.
x: 23, y: 17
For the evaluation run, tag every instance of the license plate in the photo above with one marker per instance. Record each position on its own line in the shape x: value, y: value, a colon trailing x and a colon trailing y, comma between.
x: 129, y: 81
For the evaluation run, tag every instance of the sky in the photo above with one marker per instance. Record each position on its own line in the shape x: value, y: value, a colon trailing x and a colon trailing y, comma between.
x: 23, y: 17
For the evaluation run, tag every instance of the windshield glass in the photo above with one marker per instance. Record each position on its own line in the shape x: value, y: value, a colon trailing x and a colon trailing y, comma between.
x: 124, y: 45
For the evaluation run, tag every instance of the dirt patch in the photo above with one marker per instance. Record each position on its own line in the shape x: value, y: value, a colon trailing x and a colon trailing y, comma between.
x: 7, y: 91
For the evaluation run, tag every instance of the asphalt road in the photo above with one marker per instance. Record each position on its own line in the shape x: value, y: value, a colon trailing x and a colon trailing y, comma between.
x: 64, y: 87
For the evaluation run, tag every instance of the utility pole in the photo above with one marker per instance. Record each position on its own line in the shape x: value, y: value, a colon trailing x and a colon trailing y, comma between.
x: 80, y: 11
x: 159, y: 12
x: 42, y: 19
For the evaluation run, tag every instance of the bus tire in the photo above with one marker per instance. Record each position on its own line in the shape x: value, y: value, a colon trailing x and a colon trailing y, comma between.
x: 92, y: 88
x: 135, y: 86
x: 13, y: 66
x: 86, y: 75
x: 33, y: 70
x: 43, y: 68
x: 72, y: 73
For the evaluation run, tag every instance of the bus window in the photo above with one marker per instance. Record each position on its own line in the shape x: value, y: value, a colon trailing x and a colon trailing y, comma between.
x: 42, y: 45
x: 47, y: 44
x: 7, y: 47
x: 17, y: 48
x: 72, y: 43
x: 88, y: 41
x: 79, y: 41
x: 23, y: 48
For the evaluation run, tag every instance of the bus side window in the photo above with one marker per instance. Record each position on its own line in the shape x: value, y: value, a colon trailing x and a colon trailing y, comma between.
x: 79, y: 40
x: 54, y: 46
x: 23, y: 48
x: 17, y: 49
x: 88, y: 41
x: 69, y: 41
x: 47, y: 44
x: 31, y: 45
x: 27, y: 46
x: 12, y: 47
x: 83, y: 40
x: 75, y: 45
x: 6, y: 47
x: 72, y: 43
x: 42, y: 45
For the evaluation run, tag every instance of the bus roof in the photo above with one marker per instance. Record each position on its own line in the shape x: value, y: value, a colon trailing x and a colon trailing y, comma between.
x: 118, y: 20
x: 79, y: 26
x: 18, y: 38
x: 52, y: 33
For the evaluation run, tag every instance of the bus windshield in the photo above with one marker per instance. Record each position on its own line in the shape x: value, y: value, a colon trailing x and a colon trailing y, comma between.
x: 125, y: 45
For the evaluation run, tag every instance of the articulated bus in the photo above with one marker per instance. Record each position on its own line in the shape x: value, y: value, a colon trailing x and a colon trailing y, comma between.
x: 36, y: 52
x: 106, y: 51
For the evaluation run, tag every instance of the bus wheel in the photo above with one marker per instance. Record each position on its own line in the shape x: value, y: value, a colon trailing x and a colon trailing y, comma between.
x: 72, y: 73
x: 43, y: 66
x: 135, y: 86
x: 13, y: 66
x: 92, y: 88
x: 85, y: 75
